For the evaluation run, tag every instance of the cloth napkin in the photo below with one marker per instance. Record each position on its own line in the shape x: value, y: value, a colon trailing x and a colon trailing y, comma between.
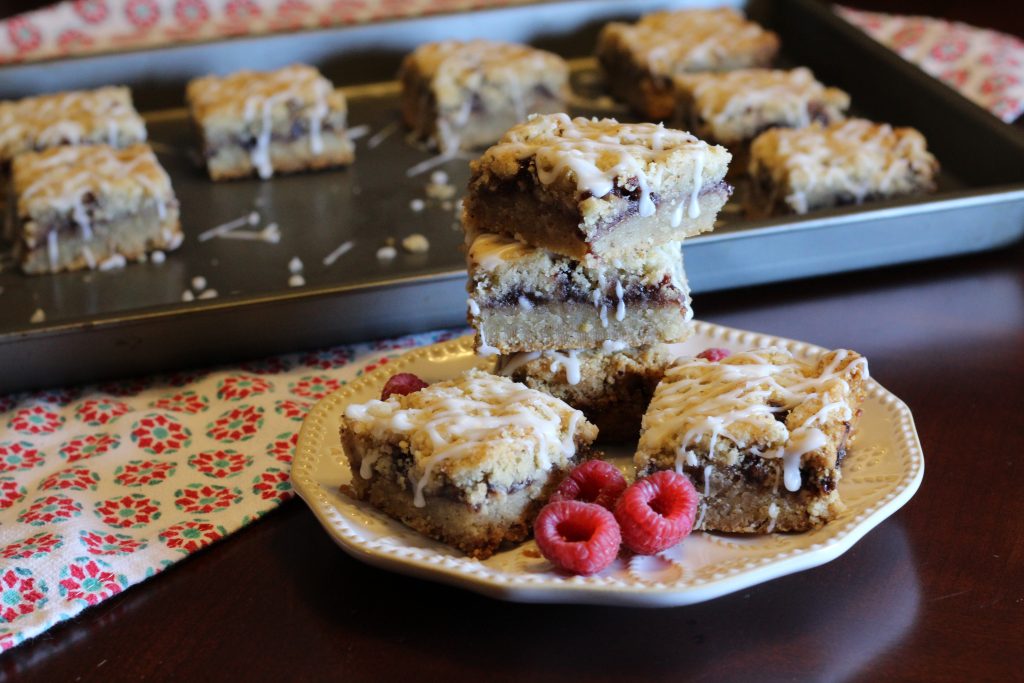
x: 987, y: 67
x: 105, y: 486
x: 76, y: 27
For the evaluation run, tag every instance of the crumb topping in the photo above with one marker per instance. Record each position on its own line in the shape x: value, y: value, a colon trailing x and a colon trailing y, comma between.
x: 765, y: 402
x: 693, y: 40
x: 733, y: 102
x: 476, y: 422
x: 69, y: 118
x: 598, y: 155
x: 65, y: 178
x: 856, y: 156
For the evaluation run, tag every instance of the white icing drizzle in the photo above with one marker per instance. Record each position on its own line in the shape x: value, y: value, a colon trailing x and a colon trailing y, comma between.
x: 620, y: 307
x: 705, y: 496
x: 525, y: 303
x: 250, y: 219
x: 450, y: 420
x: 569, y: 360
x: 382, y: 135
x: 510, y: 364
x: 90, y: 259
x: 677, y: 214
x: 340, y: 251
x: 693, y: 211
x: 485, y: 349
x: 773, y: 515
x: 113, y: 262
x: 474, y: 308
x: 612, y: 346
x: 52, y: 249
x: 699, y: 403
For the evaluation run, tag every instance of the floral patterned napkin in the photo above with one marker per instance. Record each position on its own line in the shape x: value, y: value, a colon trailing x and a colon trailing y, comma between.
x: 104, y: 486
x: 986, y: 66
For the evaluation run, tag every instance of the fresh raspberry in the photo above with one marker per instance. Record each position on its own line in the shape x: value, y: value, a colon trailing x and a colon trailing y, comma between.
x: 657, y: 512
x: 595, y: 481
x: 581, y: 538
x: 403, y: 383
x: 714, y: 354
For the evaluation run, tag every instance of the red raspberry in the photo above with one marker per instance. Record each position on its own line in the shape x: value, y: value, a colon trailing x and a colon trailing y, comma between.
x: 657, y: 512
x: 403, y: 383
x: 595, y: 481
x: 581, y: 538
x: 714, y: 354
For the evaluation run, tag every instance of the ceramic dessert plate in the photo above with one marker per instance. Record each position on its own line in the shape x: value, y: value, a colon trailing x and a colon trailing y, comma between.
x: 882, y: 471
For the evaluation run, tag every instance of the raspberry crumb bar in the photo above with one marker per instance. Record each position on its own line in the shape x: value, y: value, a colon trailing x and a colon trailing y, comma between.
x: 596, y: 187
x: 612, y: 384
x: 263, y: 123
x: 91, y: 206
x: 734, y: 107
x: 522, y: 298
x: 850, y: 162
x: 105, y: 115
x: 641, y: 59
x: 464, y: 95
x: 468, y: 462
x: 761, y: 434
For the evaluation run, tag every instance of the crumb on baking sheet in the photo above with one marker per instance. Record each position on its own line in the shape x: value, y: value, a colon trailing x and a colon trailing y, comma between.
x: 416, y: 243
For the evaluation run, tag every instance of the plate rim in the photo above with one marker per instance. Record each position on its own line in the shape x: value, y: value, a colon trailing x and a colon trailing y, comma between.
x: 577, y: 590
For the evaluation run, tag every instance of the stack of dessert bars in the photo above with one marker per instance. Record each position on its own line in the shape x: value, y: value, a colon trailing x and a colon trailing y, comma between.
x: 573, y: 244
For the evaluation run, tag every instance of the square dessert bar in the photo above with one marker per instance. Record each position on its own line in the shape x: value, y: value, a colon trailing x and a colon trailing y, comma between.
x: 850, y: 162
x: 105, y: 115
x: 522, y: 298
x: 734, y: 107
x: 464, y: 95
x: 85, y: 207
x: 612, y: 384
x: 468, y: 462
x: 761, y: 435
x: 641, y: 59
x: 270, y: 122
x: 596, y: 188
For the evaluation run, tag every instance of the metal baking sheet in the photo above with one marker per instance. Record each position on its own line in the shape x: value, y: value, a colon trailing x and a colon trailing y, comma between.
x: 106, y: 324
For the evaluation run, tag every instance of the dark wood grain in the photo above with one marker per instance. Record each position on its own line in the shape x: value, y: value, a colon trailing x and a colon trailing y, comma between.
x: 935, y: 593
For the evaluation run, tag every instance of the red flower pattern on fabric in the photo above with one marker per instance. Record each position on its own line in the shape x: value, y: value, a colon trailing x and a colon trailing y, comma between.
x: 36, y: 420
x: 191, y: 536
x: 33, y: 547
x: 98, y: 412
x: 283, y: 446
x: 89, y: 581
x: 144, y: 472
x: 158, y: 434
x: 238, y: 387
x: 18, y: 455
x: 220, y: 464
x: 11, y: 492
x: 88, y: 446
x: 316, y: 386
x: 73, y: 478
x: 184, y: 402
x: 50, y: 510
x: 206, y: 498
x: 20, y: 593
x: 293, y: 410
x: 131, y: 511
x: 103, y: 543
x: 238, y: 424
x: 274, y: 484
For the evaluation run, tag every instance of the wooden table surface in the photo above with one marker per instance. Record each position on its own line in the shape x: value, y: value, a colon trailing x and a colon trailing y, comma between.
x: 935, y: 593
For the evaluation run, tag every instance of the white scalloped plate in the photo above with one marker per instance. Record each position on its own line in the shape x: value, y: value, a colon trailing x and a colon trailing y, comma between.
x: 882, y: 471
